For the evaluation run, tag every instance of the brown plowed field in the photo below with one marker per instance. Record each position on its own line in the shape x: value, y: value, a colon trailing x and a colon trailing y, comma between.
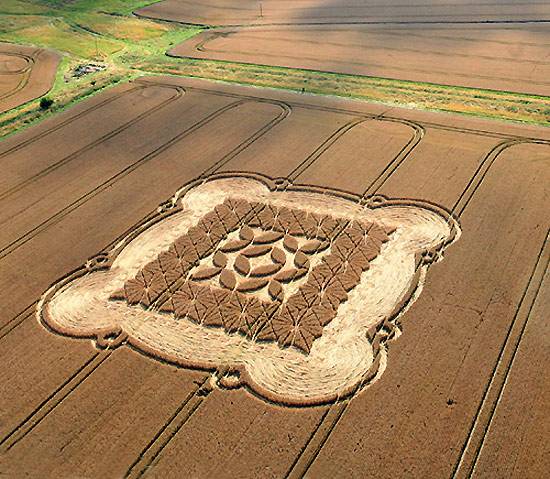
x: 465, y: 386
x: 230, y: 12
x: 26, y: 73
x: 509, y: 58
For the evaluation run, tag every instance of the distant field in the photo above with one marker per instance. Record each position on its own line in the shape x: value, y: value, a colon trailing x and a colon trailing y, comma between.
x: 508, y: 58
x: 266, y: 12
x: 491, y: 55
x: 26, y: 73
x: 105, y: 31
x: 83, y: 31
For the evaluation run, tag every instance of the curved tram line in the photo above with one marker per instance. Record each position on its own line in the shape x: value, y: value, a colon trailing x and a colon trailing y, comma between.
x: 57, y: 396
x: 332, y: 416
x: 25, y: 72
x: 330, y: 419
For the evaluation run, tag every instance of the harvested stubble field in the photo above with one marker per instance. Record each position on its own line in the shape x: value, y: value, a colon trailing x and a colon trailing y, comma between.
x: 497, y: 46
x: 456, y: 381
x: 506, y: 58
x: 26, y: 73
x: 231, y: 13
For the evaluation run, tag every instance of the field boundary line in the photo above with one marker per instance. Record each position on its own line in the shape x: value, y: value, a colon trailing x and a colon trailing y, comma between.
x: 205, y: 53
x: 330, y: 22
x: 424, y: 124
x: 343, y: 28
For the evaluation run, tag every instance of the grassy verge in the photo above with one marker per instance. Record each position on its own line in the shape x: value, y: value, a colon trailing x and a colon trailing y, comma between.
x: 483, y: 103
x: 105, y: 31
x: 83, y: 31
x: 14, y: 120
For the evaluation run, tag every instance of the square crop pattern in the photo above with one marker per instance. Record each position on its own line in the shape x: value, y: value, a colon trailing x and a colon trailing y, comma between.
x: 268, y: 272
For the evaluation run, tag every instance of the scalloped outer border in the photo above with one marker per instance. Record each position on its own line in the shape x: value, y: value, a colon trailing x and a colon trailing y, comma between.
x: 235, y: 377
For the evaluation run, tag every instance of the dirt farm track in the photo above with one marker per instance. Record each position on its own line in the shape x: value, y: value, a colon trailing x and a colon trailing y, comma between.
x: 460, y: 384
x: 26, y: 73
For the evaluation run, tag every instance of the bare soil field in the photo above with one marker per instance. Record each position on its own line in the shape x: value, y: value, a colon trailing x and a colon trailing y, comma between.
x: 230, y: 281
x: 230, y: 12
x: 509, y: 58
x: 26, y: 73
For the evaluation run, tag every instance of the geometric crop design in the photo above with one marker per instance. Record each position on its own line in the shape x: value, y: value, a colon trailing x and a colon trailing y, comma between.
x: 269, y: 273
x: 293, y: 292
